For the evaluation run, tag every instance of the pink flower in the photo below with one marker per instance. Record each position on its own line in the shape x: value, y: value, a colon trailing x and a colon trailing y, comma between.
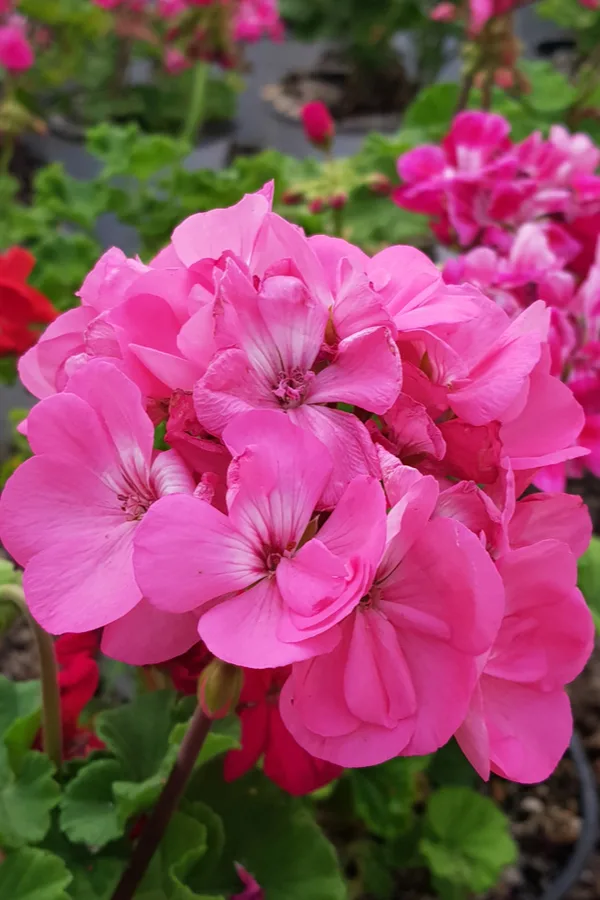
x: 278, y: 364
x: 256, y: 19
x: 175, y: 61
x: 481, y: 11
x: 443, y: 12
x: 401, y: 676
x: 318, y: 124
x: 519, y: 723
x: 590, y: 4
x: 252, y: 889
x: 69, y: 515
x: 16, y: 53
x: 286, y: 593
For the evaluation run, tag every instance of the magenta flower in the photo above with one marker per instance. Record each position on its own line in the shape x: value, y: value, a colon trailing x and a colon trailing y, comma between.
x: 16, y: 53
x: 285, y: 591
x: 519, y: 722
x: 318, y: 124
x: 69, y: 515
x: 401, y: 676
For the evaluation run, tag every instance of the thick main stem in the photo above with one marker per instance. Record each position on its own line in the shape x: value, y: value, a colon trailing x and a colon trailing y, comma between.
x: 51, y: 715
x: 196, y: 109
x: 168, y: 801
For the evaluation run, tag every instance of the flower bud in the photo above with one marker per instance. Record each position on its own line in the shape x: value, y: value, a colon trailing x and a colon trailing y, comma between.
x: 317, y: 205
x: 380, y: 184
x: 291, y: 198
x: 219, y: 688
x: 338, y: 201
x: 443, y: 12
x: 319, y: 127
x: 504, y: 78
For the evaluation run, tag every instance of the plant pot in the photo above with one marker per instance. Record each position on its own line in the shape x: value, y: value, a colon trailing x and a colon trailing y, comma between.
x: 359, y: 104
x: 588, y: 799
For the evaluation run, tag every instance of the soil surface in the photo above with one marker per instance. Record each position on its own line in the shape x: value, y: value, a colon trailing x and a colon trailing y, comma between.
x: 356, y: 99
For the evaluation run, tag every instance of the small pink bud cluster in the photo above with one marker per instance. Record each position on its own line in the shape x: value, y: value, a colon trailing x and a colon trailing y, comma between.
x: 16, y: 51
x: 339, y: 511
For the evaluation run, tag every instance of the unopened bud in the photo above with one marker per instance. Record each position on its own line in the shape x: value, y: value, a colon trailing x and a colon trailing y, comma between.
x: 504, y: 78
x: 380, y: 184
x: 291, y: 198
x: 338, y: 201
x: 219, y: 688
x: 443, y: 12
x: 317, y: 205
x: 318, y: 124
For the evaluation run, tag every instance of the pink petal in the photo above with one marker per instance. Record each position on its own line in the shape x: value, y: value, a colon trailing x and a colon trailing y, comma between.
x: 562, y: 517
x: 348, y: 442
x: 422, y: 163
x: 147, y: 636
x: 228, y: 388
x: 377, y: 681
x: 254, y: 641
x: 331, y: 251
x: 366, y: 372
x: 495, y: 381
x: 407, y: 519
x: 42, y: 365
x: 473, y: 737
x: 280, y: 240
x: 170, y: 475
x: 281, y: 472
x: 446, y: 586
x: 208, y: 235
x: 187, y: 553
x: 85, y: 582
x: 310, y: 580
x: 345, y: 533
x: 443, y: 680
x: 529, y: 730
x: 412, y: 430
x: 47, y: 500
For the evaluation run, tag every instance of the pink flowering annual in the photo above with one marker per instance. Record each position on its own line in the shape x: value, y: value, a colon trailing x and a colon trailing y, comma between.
x: 341, y: 444
x: 16, y: 52
x: 69, y: 515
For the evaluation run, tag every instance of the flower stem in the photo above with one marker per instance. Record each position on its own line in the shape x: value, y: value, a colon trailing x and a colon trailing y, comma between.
x: 51, y: 716
x: 160, y: 816
x: 197, y: 107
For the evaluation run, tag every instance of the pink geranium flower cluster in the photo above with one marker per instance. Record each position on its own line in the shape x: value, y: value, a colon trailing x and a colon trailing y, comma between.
x: 16, y: 51
x: 333, y: 498
x: 531, y: 212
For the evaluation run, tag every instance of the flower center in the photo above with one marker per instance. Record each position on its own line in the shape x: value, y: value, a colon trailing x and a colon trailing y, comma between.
x: 371, y: 599
x: 135, y: 505
x: 272, y: 560
x: 292, y: 387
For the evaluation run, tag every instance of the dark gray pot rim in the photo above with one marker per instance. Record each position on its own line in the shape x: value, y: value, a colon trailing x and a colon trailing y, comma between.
x: 586, y: 843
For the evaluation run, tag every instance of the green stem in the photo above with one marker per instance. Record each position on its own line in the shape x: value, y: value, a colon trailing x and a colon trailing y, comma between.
x: 166, y: 805
x: 337, y: 218
x: 6, y: 152
x: 197, y: 107
x: 51, y: 716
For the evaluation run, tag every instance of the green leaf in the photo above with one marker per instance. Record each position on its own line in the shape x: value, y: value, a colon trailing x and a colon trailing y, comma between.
x: 215, y: 744
x: 97, y: 879
x: 589, y: 578
x: 20, y: 715
x: 32, y: 874
x: 433, y: 109
x: 550, y: 90
x: 283, y: 847
x: 449, y: 766
x: 88, y: 813
x: 185, y: 844
x: 384, y: 794
x: 467, y: 841
x: 138, y: 733
x: 26, y: 799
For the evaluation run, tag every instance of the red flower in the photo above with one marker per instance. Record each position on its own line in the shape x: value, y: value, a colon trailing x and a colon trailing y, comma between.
x: 21, y: 306
x: 263, y: 733
x: 77, y: 680
x: 319, y: 127
x: 185, y: 669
